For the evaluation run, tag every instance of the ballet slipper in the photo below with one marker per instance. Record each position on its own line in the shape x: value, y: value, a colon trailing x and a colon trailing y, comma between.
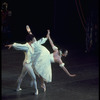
x: 36, y: 93
x: 18, y: 89
x: 44, y: 87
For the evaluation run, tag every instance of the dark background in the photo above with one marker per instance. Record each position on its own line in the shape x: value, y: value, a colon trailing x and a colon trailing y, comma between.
x: 60, y: 16
x: 67, y: 31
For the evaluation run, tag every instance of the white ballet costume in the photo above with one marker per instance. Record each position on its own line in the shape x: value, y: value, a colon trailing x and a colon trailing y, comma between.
x: 27, y: 64
x: 42, y: 63
x: 41, y: 60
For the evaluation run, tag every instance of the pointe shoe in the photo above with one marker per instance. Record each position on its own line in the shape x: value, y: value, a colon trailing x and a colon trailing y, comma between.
x: 44, y: 87
x: 36, y: 93
x: 18, y: 89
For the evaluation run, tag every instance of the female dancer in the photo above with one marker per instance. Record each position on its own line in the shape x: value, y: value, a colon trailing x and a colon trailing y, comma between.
x: 57, y: 54
x: 42, y: 61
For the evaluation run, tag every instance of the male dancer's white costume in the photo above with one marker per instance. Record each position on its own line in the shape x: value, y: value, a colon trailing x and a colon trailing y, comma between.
x: 27, y: 64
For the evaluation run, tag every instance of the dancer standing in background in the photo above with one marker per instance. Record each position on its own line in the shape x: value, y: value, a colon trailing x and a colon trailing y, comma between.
x: 6, y: 23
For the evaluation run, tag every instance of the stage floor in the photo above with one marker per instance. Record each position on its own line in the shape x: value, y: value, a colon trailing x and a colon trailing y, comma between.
x: 85, y: 86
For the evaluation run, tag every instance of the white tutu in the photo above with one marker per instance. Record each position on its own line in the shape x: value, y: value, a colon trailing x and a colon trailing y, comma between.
x: 42, y: 64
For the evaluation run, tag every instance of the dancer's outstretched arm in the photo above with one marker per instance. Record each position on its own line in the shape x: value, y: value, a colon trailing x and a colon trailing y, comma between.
x: 51, y: 42
x: 66, y: 71
x: 61, y: 64
x: 44, y: 39
x: 9, y: 46
x: 17, y: 46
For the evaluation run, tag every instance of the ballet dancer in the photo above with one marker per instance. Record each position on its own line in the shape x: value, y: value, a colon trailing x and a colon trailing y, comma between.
x: 42, y: 61
x: 27, y: 63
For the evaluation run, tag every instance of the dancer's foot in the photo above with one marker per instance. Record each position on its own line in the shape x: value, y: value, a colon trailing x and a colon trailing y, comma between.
x: 36, y: 93
x: 44, y: 87
x: 18, y: 89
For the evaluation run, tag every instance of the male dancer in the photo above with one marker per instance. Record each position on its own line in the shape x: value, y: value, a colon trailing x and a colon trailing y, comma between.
x: 27, y: 63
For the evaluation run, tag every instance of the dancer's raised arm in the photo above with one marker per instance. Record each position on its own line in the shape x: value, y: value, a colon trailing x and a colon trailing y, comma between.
x: 44, y: 39
x: 51, y: 42
x: 40, y: 41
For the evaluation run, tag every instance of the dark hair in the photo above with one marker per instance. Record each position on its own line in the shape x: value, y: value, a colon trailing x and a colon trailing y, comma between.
x: 63, y: 50
x: 29, y: 37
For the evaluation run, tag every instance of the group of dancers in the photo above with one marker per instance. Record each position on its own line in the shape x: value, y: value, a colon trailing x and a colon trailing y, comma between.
x: 38, y: 60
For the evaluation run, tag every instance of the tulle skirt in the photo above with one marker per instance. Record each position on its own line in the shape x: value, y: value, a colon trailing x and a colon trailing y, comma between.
x: 42, y: 64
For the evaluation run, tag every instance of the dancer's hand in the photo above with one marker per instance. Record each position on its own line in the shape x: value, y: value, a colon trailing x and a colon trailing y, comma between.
x: 48, y: 33
x: 9, y: 46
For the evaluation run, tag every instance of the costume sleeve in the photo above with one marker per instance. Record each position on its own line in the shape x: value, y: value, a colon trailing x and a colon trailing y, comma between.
x: 19, y: 46
x: 42, y: 40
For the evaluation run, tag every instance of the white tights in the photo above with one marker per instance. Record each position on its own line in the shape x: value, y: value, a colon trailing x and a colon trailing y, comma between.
x: 27, y: 68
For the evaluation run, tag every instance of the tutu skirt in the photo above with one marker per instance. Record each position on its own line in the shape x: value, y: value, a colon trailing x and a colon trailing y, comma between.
x: 42, y: 64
